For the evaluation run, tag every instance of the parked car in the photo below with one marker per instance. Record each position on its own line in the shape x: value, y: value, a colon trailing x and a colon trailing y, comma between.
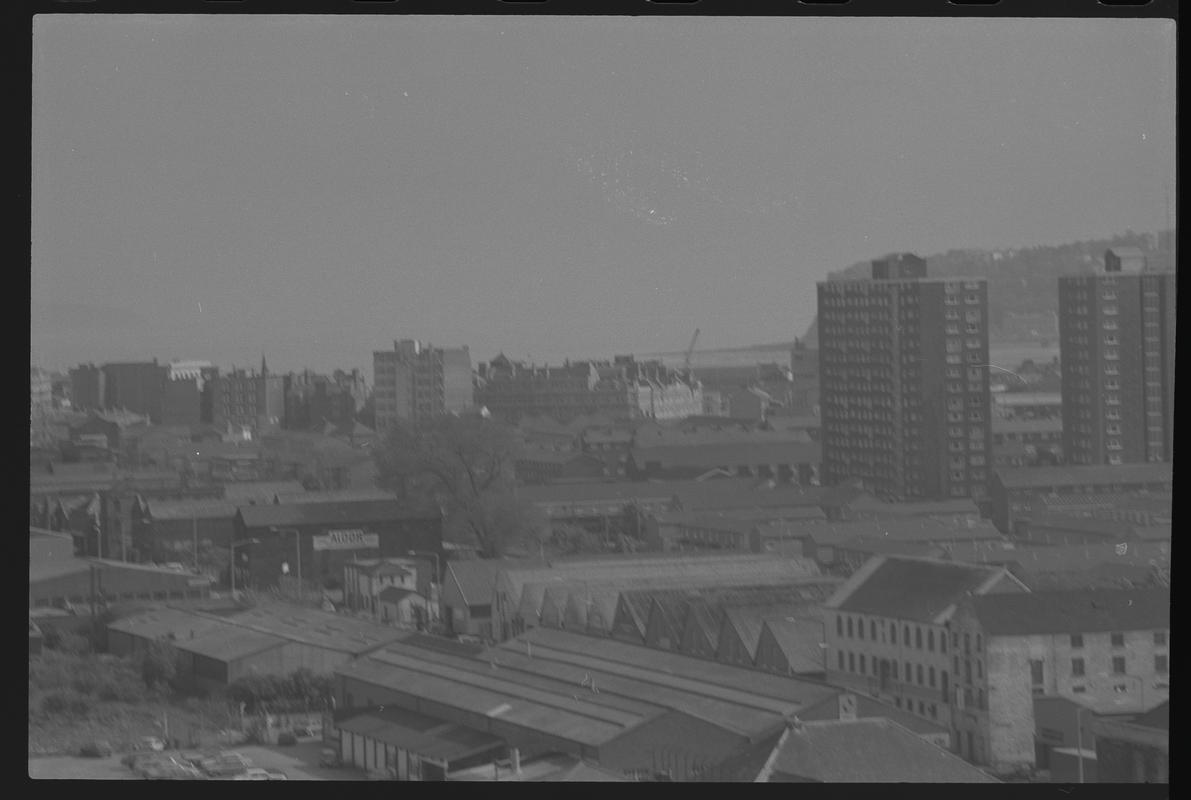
x: 151, y: 743
x: 226, y: 764
x: 100, y: 748
x: 277, y: 775
x: 253, y: 774
x: 329, y: 758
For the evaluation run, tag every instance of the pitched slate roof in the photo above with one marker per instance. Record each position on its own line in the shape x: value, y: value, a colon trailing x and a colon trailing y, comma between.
x: 1078, y: 611
x: 1114, y: 475
x: 264, y: 516
x: 905, y: 529
x: 748, y: 621
x: 1157, y: 717
x: 874, y: 750
x: 917, y: 589
x: 730, y: 455
x: 191, y: 509
x: 260, y: 491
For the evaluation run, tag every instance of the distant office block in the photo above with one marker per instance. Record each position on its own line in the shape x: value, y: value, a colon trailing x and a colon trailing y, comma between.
x: 415, y: 381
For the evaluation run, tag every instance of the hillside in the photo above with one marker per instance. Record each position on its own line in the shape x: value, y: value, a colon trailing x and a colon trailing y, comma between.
x: 1023, y: 290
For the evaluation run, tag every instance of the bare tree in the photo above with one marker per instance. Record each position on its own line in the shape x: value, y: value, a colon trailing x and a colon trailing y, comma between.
x: 465, y: 465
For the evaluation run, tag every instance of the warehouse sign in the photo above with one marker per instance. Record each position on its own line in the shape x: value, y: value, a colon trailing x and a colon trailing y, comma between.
x: 354, y: 539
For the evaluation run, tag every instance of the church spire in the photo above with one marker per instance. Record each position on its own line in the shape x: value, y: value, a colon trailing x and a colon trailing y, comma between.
x: 264, y: 366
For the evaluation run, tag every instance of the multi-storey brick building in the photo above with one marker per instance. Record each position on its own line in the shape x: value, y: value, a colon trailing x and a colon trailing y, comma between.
x: 188, y: 393
x: 888, y: 629
x: 623, y: 388
x: 41, y: 397
x: 1107, y: 649
x: 249, y: 399
x: 1117, y: 333
x: 86, y: 387
x: 904, y: 382
x: 415, y: 381
x: 135, y: 386
x: 313, y: 400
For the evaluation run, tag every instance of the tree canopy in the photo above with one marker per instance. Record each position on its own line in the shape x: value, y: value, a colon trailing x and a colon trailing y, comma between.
x: 465, y: 465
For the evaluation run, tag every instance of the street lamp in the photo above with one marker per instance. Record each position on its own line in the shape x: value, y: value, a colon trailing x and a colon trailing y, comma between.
x: 1079, y: 738
x: 232, y: 549
x: 298, y: 541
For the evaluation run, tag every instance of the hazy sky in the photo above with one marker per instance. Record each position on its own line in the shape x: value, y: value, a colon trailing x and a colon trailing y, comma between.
x: 315, y: 187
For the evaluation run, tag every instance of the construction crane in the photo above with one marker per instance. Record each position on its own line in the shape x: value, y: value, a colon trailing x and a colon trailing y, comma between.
x: 686, y: 362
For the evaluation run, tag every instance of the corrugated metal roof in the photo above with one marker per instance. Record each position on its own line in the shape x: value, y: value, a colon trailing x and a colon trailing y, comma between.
x: 281, y: 621
x: 799, y: 640
x: 417, y: 733
x: 579, y: 720
x: 735, y: 570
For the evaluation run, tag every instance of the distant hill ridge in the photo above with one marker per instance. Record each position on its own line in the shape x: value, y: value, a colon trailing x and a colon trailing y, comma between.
x: 1022, y: 282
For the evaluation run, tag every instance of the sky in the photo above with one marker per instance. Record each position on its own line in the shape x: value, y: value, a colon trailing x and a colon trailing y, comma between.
x: 313, y: 188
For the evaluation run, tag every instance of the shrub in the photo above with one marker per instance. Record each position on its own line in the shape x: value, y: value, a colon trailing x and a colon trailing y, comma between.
x: 65, y: 702
x: 99, y: 748
x: 159, y: 664
x: 73, y: 644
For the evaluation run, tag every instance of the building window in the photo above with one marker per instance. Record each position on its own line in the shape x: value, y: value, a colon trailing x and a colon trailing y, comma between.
x: 931, y: 676
x: 839, y: 625
x: 1077, y: 667
x: 860, y: 628
x: 863, y: 669
x: 919, y: 671
x: 840, y: 658
x: 1162, y: 664
x: 851, y: 662
x: 918, y: 638
x: 909, y: 675
x: 849, y: 627
x: 1160, y: 638
x: 1118, y: 665
x: 893, y: 633
x: 1079, y: 689
x: 1036, y: 675
x: 1118, y: 640
x: 967, y: 644
x: 873, y: 630
x: 930, y: 641
x: 1076, y: 641
x: 979, y: 643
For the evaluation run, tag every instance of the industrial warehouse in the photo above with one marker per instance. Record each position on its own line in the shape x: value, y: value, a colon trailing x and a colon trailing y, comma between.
x: 218, y: 645
x: 624, y: 707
